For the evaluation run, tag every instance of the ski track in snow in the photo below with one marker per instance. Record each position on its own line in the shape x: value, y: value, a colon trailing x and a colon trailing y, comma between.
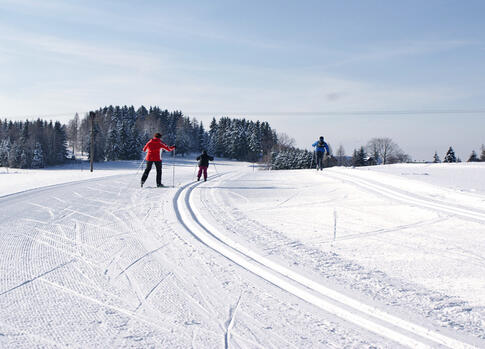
x: 413, y: 199
x: 402, y: 331
x: 447, y: 311
x: 103, y: 263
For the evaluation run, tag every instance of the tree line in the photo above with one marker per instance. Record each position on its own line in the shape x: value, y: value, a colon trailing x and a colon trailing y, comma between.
x: 451, y: 157
x: 32, y: 144
x: 379, y: 150
x: 121, y: 131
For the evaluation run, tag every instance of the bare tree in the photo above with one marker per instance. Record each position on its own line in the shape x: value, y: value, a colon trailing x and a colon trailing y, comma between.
x: 386, y: 150
x: 399, y: 157
x: 285, y: 142
x: 72, y: 132
x: 340, y: 155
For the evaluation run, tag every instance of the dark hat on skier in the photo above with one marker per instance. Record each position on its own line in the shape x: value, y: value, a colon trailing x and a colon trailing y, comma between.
x: 204, y: 152
x: 321, y: 138
x: 157, y: 135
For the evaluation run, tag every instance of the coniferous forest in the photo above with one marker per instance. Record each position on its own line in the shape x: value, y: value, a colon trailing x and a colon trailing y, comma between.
x: 121, y: 131
x: 32, y: 144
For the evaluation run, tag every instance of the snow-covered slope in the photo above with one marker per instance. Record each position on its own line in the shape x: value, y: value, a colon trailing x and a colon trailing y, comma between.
x: 344, y: 257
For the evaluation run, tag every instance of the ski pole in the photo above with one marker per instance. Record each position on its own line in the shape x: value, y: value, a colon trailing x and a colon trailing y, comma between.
x: 173, y: 169
x: 138, y: 169
x: 215, y: 168
x: 195, y: 170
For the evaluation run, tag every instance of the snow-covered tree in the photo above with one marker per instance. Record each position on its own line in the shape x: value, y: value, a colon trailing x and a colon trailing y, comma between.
x: 359, y: 157
x: 72, y: 133
x: 37, y: 156
x: 482, y: 154
x: 212, y: 146
x: 4, y: 152
x: 436, y: 158
x: 112, y: 144
x: 60, y: 143
x: 473, y: 157
x: 15, y: 155
x: 450, y: 156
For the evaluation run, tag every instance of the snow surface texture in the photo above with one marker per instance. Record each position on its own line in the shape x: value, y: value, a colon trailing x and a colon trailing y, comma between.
x: 345, y: 257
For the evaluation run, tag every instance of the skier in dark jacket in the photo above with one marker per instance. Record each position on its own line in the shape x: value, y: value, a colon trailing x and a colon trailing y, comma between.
x: 203, y: 164
x: 153, y: 148
x: 320, y: 148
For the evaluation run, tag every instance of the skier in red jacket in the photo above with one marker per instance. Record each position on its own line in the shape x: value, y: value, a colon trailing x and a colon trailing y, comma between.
x: 153, y: 156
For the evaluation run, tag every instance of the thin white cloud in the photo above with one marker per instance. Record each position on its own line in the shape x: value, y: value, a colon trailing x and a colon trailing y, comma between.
x: 400, y: 49
x: 54, y: 46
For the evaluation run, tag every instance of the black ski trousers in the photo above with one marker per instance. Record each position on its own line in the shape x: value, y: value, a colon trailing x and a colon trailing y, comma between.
x: 158, y: 166
x: 319, y: 156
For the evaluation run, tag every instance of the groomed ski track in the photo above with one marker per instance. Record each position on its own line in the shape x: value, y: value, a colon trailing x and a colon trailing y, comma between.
x: 349, y: 309
x: 412, y: 199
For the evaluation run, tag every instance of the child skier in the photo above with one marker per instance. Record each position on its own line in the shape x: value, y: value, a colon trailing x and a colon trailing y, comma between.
x: 203, y: 164
x: 153, y: 157
x: 320, y: 147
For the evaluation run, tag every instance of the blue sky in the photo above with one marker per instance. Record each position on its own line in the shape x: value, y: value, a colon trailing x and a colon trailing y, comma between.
x: 348, y: 70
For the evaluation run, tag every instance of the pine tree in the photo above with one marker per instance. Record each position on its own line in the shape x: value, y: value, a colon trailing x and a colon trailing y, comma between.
x: 255, y: 147
x: 15, y: 155
x: 37, y: 157
x: 450, y: 156
x: 60, y: 143
x: 212, y: 144
x: 436, y: 158
x: 72, y: 133
x: 201, y: 138
x: 4, y: 152
x: 112, y: 147
x: 24, y: 159
x: 358, y: 159
x: 473, y: 157
x: 482, y: 154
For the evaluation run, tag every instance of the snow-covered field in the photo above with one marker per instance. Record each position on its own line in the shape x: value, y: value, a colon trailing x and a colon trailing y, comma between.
x: 385, y: 256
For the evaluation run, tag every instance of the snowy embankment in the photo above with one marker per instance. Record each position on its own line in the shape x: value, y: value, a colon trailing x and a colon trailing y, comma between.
x: 344, y: 257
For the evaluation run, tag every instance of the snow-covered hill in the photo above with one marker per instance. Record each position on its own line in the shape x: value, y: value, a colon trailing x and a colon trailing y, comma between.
x: 384, y: 256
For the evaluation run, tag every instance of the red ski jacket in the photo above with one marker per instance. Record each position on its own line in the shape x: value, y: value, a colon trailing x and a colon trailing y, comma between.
x: 153, y: 146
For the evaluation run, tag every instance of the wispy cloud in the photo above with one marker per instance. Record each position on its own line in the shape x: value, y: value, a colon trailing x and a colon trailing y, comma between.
x: 54, y: 46
x: 400, y: 49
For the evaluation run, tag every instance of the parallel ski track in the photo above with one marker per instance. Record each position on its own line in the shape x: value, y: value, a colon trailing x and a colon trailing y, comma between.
x: 400, y: 195
x: 53, y: 186
x: 347, y: 308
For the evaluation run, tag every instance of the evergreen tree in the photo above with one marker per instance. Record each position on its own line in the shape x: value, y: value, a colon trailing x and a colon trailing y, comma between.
x: 37, y: 157
x: 24, y: 159
x: 450, y: 156
x: 15, y: 155
x: 255, y: 147
x: 112, y: 146
x: 473, y: 157
x: 482, y: 154
x: 358, y: 159
x: 436, y: 158
x: 4, y: 152
x: 212, y: 144
x: 60, y: 143
x: 72, y: 133
x: 202, y: 138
